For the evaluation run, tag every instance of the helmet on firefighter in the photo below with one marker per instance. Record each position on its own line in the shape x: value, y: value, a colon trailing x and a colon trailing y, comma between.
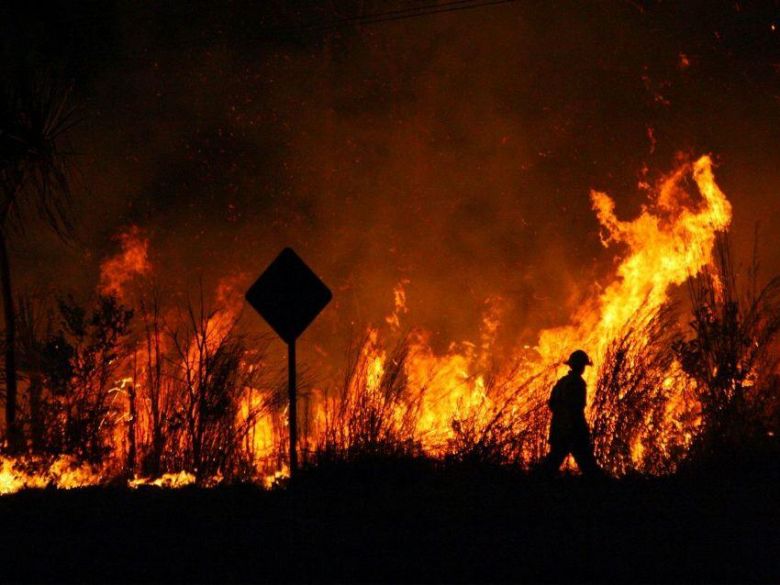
x: 578, y: 358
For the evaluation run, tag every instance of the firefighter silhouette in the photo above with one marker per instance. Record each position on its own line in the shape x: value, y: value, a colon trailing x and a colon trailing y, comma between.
x: 569, y: 431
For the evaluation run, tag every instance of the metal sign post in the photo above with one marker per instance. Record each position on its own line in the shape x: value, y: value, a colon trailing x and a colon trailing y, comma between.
x: 288, y: 295
x: 292, y: 389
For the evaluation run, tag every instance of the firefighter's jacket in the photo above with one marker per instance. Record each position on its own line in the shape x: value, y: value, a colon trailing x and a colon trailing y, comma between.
x: 567, y: 403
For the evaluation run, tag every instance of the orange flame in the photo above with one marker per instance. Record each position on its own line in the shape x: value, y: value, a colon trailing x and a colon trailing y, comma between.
x: 133, y: 260
x: 670, y: 241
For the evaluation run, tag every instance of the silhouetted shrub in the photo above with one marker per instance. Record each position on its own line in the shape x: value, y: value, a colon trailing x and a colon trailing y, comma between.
x: 730, y: 356
x: 211, y: 368
x: 80, y: 361
x: 508, y: 426
x: 372, y: 412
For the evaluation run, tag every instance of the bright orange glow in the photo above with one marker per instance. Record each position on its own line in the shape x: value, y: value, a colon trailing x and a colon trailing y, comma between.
x: 399, y: 388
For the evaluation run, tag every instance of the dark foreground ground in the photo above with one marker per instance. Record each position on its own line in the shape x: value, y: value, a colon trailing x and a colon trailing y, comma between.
x: 404, y: 521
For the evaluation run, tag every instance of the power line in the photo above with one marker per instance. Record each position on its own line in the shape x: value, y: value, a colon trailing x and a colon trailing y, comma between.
x: 410, y: 10
x: 267, y: 32
x: 365, y: 19
x: 393, y: 15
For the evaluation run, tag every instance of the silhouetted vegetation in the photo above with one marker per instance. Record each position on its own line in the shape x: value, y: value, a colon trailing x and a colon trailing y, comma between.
x: 632, y: 393
x: 510, y: 426
x: 370, y: 414
x: 80, y: 360
x: 161, y: 388
x: 212, y: 368
x: 732, y: 356
x: 35, y: 116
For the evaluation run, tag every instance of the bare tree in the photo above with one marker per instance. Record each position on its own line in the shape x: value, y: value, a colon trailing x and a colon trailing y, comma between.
x: 154, y: 381
x: 212, y: 368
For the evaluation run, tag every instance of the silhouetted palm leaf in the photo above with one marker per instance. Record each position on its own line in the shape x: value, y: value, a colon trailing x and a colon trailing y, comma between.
x: 35, y: 116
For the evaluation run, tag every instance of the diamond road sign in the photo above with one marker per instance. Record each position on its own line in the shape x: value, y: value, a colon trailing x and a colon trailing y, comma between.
x: 288, y: 295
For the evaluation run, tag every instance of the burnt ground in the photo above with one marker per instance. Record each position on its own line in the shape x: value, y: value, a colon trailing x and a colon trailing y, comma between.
x: 404, y: 521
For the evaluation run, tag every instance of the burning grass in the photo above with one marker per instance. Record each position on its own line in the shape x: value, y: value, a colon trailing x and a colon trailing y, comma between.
x: 128, y: 387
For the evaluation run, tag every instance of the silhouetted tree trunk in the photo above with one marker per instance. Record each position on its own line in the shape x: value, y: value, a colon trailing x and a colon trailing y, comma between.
x: 9, y: 312
x: 131, y: 450
x: 36, y: 416
x: 154, y: 382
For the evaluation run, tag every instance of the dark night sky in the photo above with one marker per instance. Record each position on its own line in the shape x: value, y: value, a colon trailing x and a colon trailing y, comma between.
x: 456, y: 150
